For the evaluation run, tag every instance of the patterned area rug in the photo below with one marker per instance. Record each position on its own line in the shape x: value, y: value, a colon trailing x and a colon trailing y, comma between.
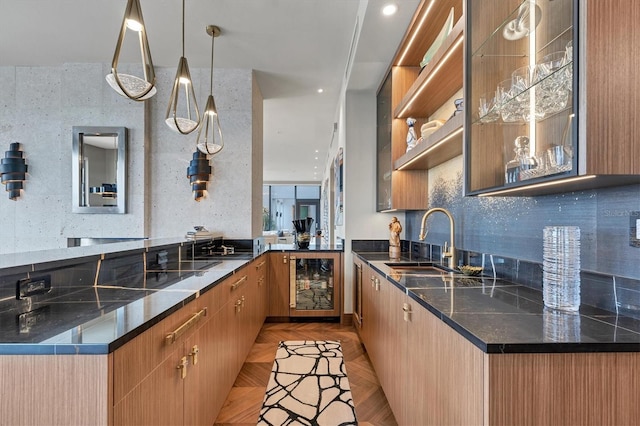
x: 308, y: 386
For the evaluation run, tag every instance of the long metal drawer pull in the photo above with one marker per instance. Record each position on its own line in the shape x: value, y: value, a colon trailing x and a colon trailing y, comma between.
x: 261, y: 264
x: 173, y: 336
x: 238, y: 283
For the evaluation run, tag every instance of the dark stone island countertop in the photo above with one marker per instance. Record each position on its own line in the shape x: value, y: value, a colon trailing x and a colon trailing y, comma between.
x: 98, y: 320
x: 502, y: 317
x: 83, y: 318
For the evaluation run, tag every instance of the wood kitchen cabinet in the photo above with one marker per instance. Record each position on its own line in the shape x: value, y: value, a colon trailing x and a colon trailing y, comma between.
x: 186, y: 381
x: 305, y: 284
x: 429, y: 373
x: 315, y: 284
x: 372, y: 316
x: 261, y: 277
x: 278, y: 285
x: 147, y: 374
x: 411, y: 91
x: 178, y: 371
x: 433, y: 375
x: 548, y: 107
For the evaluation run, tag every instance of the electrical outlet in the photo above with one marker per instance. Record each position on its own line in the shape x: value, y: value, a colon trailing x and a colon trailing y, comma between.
x: 634, y: 229
x: 28, y: 287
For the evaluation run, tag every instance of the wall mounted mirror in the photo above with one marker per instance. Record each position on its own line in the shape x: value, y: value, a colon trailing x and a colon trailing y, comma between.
x: 99, y: 169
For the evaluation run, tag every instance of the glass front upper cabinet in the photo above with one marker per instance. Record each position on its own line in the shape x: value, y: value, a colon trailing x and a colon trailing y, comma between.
x: 521, y: 123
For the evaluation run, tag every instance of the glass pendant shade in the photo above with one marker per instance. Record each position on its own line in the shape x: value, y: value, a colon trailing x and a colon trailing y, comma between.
x: 182, y: 113
x: 210, y: 135
x: 127, y: 85
x: 210, y: 139
x: 198, y: 172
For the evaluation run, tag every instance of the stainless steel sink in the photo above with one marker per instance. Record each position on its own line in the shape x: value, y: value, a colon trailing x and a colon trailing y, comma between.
x: 418, y: 268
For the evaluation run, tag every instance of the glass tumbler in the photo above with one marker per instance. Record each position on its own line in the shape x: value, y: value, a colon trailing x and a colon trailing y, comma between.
x: 551, y: 80
x: 505, y: 104
x: 487, y: 109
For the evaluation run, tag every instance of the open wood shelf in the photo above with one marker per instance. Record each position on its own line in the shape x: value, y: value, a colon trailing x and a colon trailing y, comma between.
x: 409, y: 91
x: 446, y: 65
x: 443, y: 145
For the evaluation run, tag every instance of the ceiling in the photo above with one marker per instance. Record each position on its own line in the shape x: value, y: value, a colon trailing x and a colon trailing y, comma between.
x: 295, y: 46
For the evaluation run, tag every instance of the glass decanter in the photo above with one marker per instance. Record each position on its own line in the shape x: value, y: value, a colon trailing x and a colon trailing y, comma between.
x: 522, y: 160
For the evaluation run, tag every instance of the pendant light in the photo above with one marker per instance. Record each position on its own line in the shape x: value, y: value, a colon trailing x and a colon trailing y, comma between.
x: 131, y: 86
x: 182, y: 113
x: 198, y: 172
x: 209, y: 139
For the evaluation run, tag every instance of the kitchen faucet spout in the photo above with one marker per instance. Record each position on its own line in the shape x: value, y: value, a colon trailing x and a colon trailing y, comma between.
x: 451, y: 252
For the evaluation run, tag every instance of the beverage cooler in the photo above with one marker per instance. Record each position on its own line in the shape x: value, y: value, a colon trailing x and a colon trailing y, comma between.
x: 315, y: 284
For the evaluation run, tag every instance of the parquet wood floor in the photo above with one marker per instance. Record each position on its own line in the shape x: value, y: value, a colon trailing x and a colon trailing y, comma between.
x: 243, y: 403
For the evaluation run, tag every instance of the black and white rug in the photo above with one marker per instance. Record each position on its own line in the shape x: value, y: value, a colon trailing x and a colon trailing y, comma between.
x: 308, y: 386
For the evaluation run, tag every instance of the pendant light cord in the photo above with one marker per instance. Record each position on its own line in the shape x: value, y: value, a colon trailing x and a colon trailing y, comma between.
x: 213, y: 37
x: 183, y: 27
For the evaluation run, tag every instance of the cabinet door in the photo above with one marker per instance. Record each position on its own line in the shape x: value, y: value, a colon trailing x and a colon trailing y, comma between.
x: 393, y: 350
x: 444, y: 373
x: 239, y: 288
x: 156, y: 400
x: 261, y: 266
x: 521, y: 92
x: 317, y: 284
x: 278, y: 285
x: 383, y: 146
x: 200, y: 382
x: 369, y: 313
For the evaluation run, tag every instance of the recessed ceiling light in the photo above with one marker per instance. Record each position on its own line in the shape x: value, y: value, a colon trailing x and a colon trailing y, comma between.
x: 316, y: 150
x: 389, y: 9
x: 316, y: 158
x: 320, y: 90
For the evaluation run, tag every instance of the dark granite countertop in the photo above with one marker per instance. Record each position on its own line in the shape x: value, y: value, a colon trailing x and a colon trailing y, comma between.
x: 502, y: 317
x: 98, y: 319
x: 312, y: 247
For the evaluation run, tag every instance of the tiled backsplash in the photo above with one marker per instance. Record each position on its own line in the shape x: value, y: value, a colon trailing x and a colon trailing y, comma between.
x: 510, y: 228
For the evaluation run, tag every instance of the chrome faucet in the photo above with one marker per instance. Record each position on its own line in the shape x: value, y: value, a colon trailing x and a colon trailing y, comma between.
x: 450, y: 252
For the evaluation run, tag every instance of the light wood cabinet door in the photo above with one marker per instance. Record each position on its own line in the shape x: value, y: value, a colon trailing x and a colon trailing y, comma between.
x: 364, y: 329
x: 371, y: 312
x: 393, y: 347
x: 203, y: 398
x: 147, y: 373
x: 278, y: 285
x: 444, y: 373
x: 261, y: 271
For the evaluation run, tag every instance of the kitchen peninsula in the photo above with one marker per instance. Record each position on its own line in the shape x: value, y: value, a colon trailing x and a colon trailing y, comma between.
x: 126, y: 329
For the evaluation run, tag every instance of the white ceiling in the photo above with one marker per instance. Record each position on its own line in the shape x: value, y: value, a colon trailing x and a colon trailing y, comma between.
x: 295, y: 46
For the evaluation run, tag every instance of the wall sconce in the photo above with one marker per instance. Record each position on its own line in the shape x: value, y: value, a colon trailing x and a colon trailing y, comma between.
x: 131, y: 86
x: 209, y: 139
x: 13, y: 169
x: 198, y: 173
x: 182, y: 113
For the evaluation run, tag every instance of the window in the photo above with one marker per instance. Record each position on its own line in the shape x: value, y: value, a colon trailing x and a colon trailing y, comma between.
x: 284, y: 203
